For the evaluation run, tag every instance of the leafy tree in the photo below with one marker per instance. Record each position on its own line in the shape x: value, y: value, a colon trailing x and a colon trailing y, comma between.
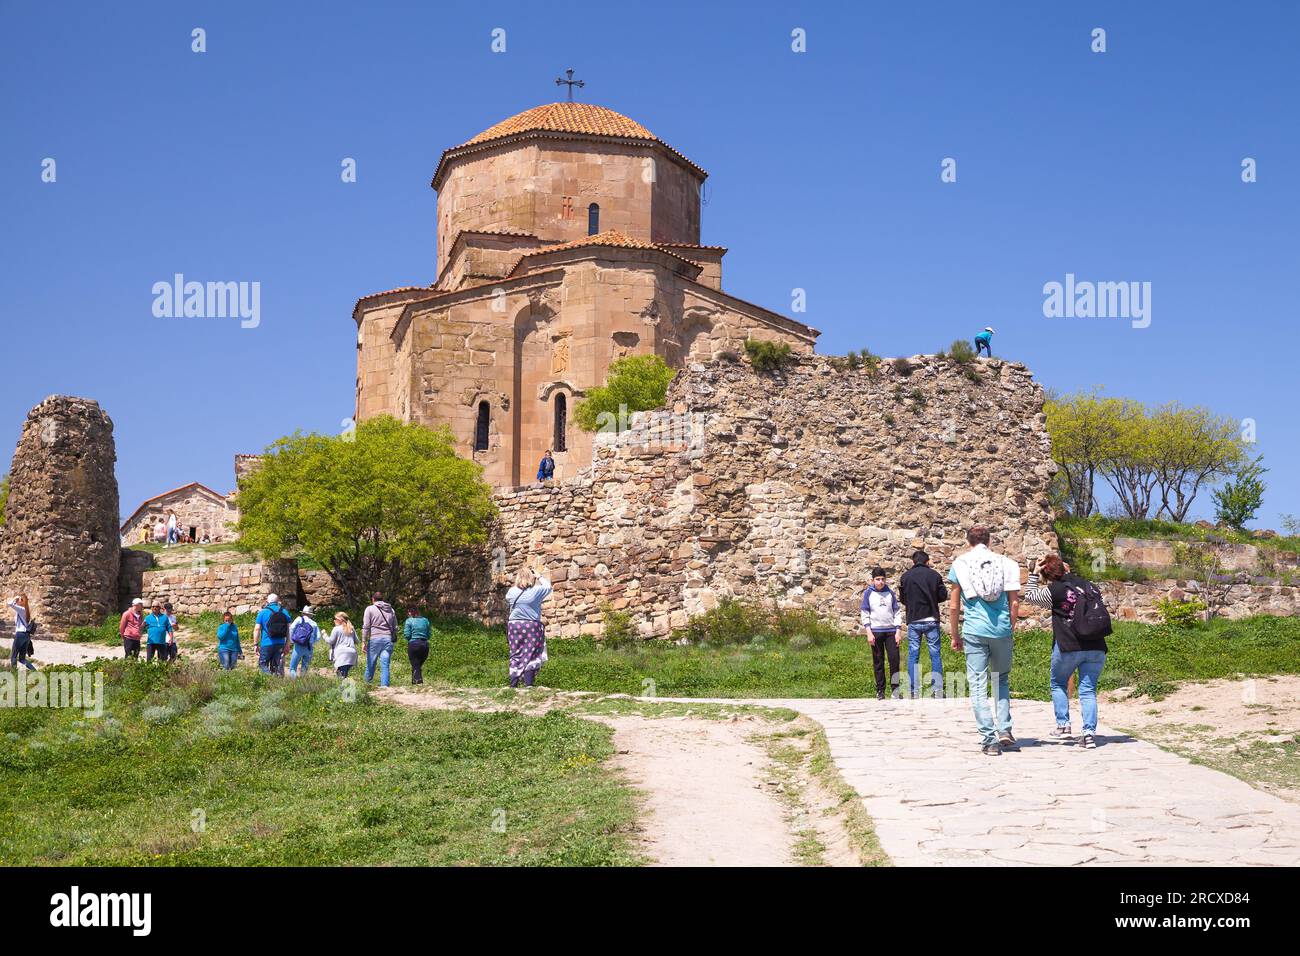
x: 636, y: 383
x: 1085, y: 431
x: 1191, y: 447
x: 373, y: 507
x: 1130, y: 468
x: 1240, y: 499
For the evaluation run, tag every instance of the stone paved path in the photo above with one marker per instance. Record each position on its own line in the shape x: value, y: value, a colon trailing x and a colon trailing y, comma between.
x: 936, y: 800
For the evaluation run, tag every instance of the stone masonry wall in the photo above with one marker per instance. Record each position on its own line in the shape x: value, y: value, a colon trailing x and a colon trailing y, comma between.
x: 789, y: 485
x: 59, y: 544
x: 1137, y: 600
x: 240, y: 587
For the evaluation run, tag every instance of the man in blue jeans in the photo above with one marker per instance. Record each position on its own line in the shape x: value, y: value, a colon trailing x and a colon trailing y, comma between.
x: 985, y: 601
x: 922, y: 592
x: 270, y: 631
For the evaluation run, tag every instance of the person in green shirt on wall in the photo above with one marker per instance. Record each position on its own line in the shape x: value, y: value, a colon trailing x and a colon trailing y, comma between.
x: 416, y: 630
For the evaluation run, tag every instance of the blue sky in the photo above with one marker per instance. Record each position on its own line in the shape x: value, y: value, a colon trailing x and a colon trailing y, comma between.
x: 824, y: 175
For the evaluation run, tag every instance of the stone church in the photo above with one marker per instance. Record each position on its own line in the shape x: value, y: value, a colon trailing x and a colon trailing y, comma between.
x: 568, y: 237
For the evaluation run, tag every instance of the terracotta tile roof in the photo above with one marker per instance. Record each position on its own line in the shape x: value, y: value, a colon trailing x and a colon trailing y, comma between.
x: 148, y: 501
x: 579, y: 119
x: 690, y: 245
x: 566, y: 118
x: 611, y: 237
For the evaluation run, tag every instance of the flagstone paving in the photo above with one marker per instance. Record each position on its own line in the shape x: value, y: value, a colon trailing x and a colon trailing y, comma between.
x: 936, y: 800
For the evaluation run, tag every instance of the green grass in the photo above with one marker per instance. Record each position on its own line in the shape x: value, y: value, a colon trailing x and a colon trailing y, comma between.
x: 1149, y: 657
x: 293, y: 773
x: 1107, y: 529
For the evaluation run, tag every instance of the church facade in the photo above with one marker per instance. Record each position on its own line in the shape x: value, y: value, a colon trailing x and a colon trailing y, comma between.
x: 568, y: 237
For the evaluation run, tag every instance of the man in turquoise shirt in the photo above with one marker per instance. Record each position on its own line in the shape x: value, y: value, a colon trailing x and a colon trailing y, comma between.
x: 982, y: 610
x: 161, y: 635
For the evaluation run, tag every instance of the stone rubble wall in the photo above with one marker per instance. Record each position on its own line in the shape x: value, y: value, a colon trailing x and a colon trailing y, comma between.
x: 240, y: 587
x: 59, y: 544
x: 788, y: 486
x: 1138, y: 600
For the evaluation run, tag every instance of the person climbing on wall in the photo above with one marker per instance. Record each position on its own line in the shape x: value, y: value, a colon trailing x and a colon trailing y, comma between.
x: 984, y: 340
x: 881, y: 616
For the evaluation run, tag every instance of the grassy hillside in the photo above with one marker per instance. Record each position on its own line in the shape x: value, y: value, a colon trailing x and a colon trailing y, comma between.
x: 190, y: 766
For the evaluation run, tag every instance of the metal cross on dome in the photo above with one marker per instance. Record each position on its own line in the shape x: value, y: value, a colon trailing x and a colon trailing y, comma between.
x: 570, y: 81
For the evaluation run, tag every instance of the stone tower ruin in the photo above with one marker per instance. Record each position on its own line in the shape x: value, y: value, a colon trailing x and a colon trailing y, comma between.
x: 59, y: 544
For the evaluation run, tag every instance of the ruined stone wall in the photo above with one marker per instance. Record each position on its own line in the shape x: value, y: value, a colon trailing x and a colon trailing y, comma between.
x: 789, y: 486
x: 59, y: 544
x: 240, y: 587
x: 1138, y: 600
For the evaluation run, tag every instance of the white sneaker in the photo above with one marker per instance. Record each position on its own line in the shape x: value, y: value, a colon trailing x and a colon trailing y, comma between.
x: 1063, y: 733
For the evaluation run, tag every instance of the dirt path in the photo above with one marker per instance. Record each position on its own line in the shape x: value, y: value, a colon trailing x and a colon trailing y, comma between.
x: 1249, y: 728
x: 711, y: 793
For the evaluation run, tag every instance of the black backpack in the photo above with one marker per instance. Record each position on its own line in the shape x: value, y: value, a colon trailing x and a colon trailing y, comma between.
x: 277, y: 625
x: 1090, y: 619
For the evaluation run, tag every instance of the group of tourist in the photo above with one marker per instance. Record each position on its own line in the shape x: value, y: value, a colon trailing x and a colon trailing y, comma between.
x: 984, y: 592
x: 982, y: 587
x: 169, y: 532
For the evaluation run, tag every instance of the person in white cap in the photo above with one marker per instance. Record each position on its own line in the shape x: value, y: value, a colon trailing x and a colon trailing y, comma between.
x: 303, y: 634
x: 984, y: 340
x: 129, y: 628
x: 270, y: 631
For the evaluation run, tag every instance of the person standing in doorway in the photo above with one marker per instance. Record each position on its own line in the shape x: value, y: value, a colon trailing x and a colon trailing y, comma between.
x: 130, y: 626
x: 984, y: 603
x: 922, y: 591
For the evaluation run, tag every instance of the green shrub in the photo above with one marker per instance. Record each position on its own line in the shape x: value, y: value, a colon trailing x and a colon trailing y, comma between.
x: 618, y: 630
x: 1182, y: 614
x: 104, y: 633
x: 731, y: 622
x: 767, y: 356
x: 961, y: 352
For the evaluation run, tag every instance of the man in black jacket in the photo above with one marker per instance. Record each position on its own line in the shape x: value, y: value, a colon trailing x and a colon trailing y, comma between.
x: 922, y: 591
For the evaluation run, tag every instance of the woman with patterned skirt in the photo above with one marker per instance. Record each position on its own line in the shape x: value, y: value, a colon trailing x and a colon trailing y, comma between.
x: 524, y: 630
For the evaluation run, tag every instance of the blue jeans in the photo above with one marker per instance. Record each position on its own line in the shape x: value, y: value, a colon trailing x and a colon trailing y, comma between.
x: 269, y: 659
x: 301, y: 655
x: 992, y: 655
x: 986, y: 346
x: 930, y: 631
x: 1089, y: 665
x: 380, y: 649
x: 227, y: 659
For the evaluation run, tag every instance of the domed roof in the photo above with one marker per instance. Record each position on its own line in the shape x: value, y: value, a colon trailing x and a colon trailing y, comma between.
x: 566, y: 118
x: 577, y: 119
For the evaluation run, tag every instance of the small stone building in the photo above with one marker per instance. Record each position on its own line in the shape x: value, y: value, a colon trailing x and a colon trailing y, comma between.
x: 199, y: 511
x: 568, y: 237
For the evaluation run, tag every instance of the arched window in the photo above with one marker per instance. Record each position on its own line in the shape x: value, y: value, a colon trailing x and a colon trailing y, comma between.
x: 561, y: 422
x: 593, y: 219
x: 481, y: 427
